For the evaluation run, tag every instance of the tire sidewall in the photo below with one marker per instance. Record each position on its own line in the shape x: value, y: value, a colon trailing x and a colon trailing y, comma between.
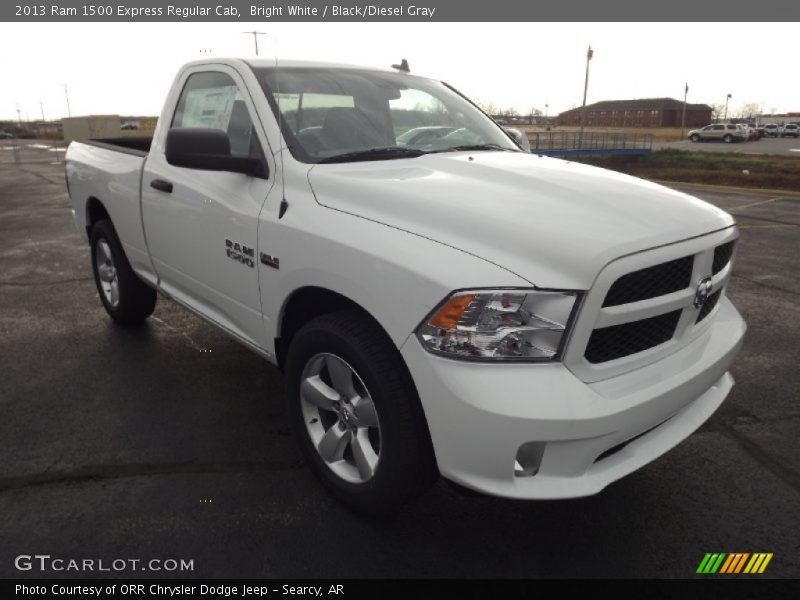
x: 102, y: 232
x: 136, y: 299
x: 316, y: 340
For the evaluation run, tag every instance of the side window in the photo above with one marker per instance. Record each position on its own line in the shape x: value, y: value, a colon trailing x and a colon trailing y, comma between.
x: 213, y: 100
x: 718, y: 127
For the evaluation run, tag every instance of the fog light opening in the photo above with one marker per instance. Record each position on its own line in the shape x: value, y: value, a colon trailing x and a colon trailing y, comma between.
x: 529, y: 459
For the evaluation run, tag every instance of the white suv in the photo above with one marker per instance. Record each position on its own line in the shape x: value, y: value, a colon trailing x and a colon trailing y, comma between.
x: 790, y: 130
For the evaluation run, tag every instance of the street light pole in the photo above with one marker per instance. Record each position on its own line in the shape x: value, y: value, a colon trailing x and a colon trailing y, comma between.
x: 589, y: 54
x: 66, y: 95
x: 683, y: 115
x: 728, y: 97
x: 255, y: 35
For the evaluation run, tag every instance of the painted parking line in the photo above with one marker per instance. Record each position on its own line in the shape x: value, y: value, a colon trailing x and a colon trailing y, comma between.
x: 752, y: 204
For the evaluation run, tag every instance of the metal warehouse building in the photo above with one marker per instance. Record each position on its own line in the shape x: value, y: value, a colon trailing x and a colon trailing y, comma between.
x: 645, y: 112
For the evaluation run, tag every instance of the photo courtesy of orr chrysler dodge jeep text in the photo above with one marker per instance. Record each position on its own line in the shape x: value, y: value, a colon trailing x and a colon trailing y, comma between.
x: 440, y: 301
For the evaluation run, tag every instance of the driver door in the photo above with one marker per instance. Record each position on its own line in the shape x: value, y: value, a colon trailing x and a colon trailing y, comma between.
x: 201, y: 225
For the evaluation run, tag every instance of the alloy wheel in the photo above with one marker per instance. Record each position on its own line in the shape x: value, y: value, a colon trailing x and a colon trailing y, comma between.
x: 340, y: 417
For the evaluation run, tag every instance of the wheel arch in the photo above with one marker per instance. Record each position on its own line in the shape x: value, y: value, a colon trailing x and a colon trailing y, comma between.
x: 306, y: 303
x: 95, y: 211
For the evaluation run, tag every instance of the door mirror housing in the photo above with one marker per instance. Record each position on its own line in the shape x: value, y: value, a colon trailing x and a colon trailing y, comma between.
x: 207, y: 149
x: 520, y: 137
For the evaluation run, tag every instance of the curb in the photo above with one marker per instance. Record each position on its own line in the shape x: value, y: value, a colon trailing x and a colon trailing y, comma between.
x: 732, y: 189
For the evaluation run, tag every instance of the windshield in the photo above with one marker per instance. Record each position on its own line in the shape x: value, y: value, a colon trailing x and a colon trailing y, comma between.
x: 357, y: 114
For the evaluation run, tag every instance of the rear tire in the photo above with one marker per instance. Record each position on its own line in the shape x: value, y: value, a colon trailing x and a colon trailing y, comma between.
x: 728, y: 139
x: 126, y: 298
x: 375, y: 460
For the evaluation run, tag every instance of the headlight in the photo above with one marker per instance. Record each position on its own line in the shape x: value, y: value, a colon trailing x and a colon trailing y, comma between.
x: 500, y: 325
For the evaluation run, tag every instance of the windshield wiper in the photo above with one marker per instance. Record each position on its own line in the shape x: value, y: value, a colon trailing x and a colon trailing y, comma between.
x: 467, y: 147
x: 387, y: 153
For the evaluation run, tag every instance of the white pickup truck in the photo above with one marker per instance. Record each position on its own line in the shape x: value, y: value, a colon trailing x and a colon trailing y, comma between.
x: 439, y: 300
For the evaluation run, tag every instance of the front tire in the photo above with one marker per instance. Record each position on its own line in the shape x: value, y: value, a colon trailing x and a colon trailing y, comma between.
x: 126, y: 298
x: 356, y: 413
x: 695, y: 138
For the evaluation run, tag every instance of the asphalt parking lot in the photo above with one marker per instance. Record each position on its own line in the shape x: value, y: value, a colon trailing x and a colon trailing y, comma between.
x: 767, y: 145
x: 138, y: 443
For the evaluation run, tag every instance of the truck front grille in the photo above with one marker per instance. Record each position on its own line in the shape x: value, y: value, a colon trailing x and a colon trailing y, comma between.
x: 617, y: 341
x: 711, y: 302
x: 642, y: 306
x: 722, y: 256
x: 651, y: 282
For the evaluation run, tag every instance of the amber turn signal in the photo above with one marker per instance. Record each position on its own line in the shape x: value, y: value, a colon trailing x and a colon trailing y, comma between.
x: 448, y: 315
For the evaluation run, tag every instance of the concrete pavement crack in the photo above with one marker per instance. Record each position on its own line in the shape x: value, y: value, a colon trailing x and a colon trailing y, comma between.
x: 38, y: 283
x: 765, y: 284
x: 756, y: 452
x: 88, y: 473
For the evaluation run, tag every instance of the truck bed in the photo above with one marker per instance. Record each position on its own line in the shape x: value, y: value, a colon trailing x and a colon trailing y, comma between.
x: 138, y: 146
x: 110, y: 171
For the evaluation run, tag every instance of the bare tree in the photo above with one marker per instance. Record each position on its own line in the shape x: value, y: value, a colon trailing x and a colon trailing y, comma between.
x: 533, y: 112
x: 717, y: 110
x: 750, y: 110
x: 490, y: 108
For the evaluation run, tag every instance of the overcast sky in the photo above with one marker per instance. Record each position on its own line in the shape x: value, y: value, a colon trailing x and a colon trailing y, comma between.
x: 127, y: 68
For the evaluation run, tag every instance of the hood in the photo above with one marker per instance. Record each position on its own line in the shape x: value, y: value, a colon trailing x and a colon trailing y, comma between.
x: 553, y: 222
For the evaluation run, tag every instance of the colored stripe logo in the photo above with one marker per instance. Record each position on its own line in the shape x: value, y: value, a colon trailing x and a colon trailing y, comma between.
x: 734, y: 563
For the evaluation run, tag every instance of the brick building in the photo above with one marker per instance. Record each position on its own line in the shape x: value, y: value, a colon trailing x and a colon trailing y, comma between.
x: 645, y: 112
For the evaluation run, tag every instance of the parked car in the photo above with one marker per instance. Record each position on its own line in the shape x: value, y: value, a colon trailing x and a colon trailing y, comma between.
x: 790, y: 130
x: 750, y: 133
x: 422, y: 136
x: 772, y: 130
x: 4, y: 135
x: 755, y: 133
x: 525, y: 326
x: 718, y: 132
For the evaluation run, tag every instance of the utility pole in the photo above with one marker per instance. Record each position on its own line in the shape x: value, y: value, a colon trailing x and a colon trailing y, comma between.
x: 19, y: 116
x: 589, y: 55
x: 41, y: 107
x: 255, y: 35
x: 683, y: 115
x: 66, y: 95
x: 728, y: 97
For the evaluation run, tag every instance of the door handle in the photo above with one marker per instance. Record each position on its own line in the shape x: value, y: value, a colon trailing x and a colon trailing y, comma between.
x: 161, y: 185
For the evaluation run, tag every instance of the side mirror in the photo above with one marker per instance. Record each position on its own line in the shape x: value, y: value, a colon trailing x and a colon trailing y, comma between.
x: 207, y: 149
x: 520, y: 137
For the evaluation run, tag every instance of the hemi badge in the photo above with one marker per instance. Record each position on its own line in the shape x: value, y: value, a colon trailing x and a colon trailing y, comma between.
x: 270, y: 261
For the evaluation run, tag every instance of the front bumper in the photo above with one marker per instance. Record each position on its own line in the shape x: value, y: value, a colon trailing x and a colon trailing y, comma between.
x: 480, y: 414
